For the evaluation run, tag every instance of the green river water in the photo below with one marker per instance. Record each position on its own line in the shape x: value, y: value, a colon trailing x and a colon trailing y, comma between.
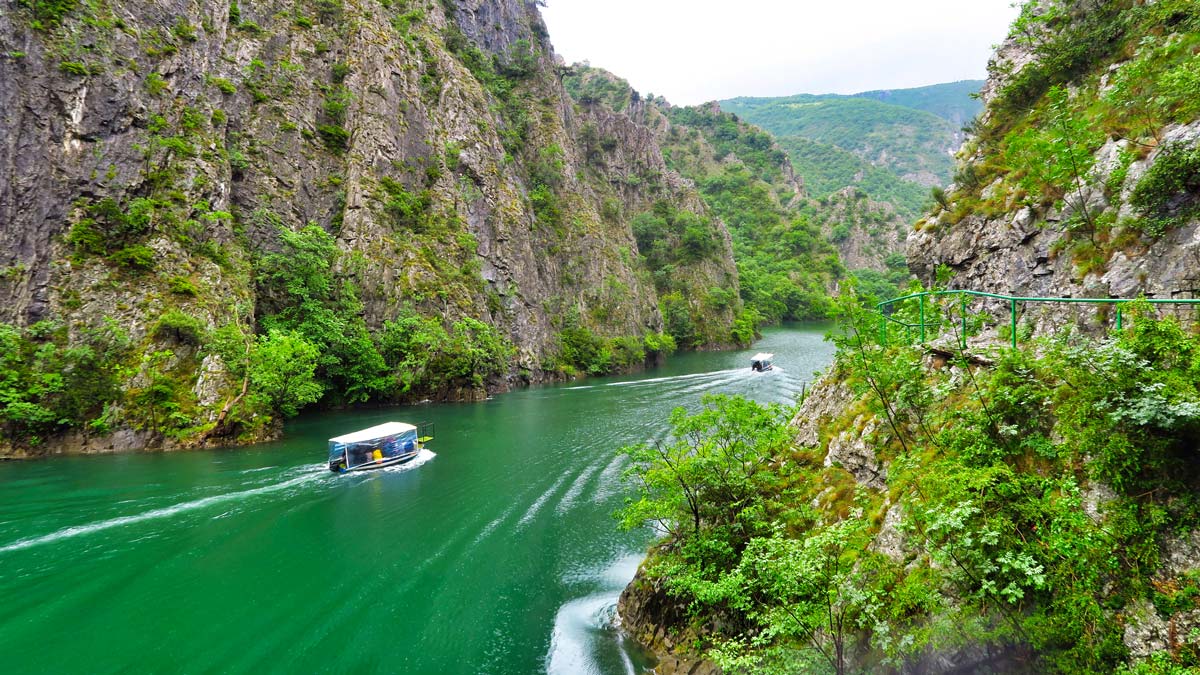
x: 498, y: 554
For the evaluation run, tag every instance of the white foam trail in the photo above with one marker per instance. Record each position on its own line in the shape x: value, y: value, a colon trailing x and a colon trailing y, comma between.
x: 166, y: 512
x: 671, y: 378
x: 572, y: 494
x: 261, y: 468
x: 423, y: 456
x: 609, y: 478
x: 578, y: 628
x: 537, y: 505
x: 491, y: 527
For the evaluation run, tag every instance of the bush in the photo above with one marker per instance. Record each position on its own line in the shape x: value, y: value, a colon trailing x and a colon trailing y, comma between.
x: 427, y: 358
x: 410, y: 210
x: 182, y: 286
x: 223, y: 85
x: 300, y: 296
x: 283, y: 367
x: 659, y: 343
x: 175, y: 325
x: 137, y: 258
x: 677, y: 315
x: 75, y: 68
x: 336, y: 138
x: 47, y: 384
x: 1168, y: 195
x: 49, y: 13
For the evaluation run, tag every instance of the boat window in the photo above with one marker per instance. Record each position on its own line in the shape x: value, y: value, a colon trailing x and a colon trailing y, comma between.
x: 374, y: 450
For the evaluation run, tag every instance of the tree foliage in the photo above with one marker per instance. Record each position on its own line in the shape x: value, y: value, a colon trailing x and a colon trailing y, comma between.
x: 994, y: 532
x: 283, y: 369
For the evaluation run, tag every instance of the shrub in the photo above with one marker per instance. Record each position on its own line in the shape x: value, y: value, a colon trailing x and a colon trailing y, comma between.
x: 182, y: 286
x: 49, y: 13
x: 137, y: 258
x: 426, y: 357
x: 225, y: 86
x: 408, y: 209
x: 283, y: 367
x: 1168, y: 195
x: 659, y: 343
x: 74, y: 68
x: 336, y: 138
x: 155, y: 84
x: 183, y: 328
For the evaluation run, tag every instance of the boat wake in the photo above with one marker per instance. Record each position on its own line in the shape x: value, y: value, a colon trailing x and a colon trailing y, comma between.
x: 537, y: 505
x: 308, y: 473
x: 676, y: 378
x: 586, y: 638
x: 577, y: 630
x: 423, y: 456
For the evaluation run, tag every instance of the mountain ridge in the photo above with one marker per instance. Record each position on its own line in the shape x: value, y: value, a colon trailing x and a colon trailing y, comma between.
x: 893, y: 144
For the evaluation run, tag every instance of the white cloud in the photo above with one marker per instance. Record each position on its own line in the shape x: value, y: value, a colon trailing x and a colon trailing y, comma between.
x: 700, y: 50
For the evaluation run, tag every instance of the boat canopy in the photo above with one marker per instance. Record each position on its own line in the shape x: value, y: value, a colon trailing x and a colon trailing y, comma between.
x: 762, y: 357
x: 375, y: 444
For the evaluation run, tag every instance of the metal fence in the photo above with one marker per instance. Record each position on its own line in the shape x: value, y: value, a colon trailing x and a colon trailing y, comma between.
x: 927, y: 303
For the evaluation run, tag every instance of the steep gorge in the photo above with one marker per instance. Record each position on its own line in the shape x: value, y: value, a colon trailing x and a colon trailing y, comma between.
x: 157, y: 158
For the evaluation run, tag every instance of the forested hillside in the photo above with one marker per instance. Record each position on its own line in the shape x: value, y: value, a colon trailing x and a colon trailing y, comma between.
x: 893, y: 144
x: 791, y: 250
x: 955, y: 102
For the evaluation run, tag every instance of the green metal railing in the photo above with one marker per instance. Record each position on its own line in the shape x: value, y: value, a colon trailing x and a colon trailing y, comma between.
x: 885, y: 319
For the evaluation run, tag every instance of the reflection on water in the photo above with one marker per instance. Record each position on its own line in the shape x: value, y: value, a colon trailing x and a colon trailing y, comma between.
x: 498, y: 556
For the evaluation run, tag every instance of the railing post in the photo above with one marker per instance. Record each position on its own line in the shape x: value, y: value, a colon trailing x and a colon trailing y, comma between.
x: 921, y: 306
x: 882, y: 329
x: 1013, y: 310
x: 1118, y: 316
x: 962, y: 314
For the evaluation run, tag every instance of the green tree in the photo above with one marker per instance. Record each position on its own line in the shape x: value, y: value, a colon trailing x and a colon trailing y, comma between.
x: 299, y: 284
x: 819, y: 591
x: 283, y: 369
x: 716, y: 469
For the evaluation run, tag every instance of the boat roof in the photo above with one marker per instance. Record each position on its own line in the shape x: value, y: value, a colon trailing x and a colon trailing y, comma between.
x: 762, y: 356
x: 377, y: 431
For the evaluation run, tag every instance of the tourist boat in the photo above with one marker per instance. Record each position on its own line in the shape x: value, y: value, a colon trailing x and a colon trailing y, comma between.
x: 761, y: 362
x: 380, y: 446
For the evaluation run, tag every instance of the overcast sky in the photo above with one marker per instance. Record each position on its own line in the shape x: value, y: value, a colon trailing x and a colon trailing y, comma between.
x: 692, y: 51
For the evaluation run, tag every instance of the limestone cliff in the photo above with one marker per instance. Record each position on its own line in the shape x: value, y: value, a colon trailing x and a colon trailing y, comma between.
x: 151, y: 154
x: 1080, y: 179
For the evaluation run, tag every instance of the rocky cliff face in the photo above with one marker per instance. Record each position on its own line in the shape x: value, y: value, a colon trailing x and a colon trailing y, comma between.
x: 151, y: 153
x: 1086, y: 213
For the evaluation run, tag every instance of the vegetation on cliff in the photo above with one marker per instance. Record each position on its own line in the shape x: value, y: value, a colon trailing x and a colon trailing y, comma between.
x: 1027, y: 510
x: 893, y: 145
x: 1069, y: 131
x: 786, y: 244
x: 1029, y: 505
x: 395, y: 199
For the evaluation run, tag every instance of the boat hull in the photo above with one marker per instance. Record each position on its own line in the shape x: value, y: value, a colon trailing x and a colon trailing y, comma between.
x: 380, y: 464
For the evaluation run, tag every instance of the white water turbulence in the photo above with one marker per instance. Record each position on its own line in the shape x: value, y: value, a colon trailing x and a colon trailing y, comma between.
x: 587, y: 639
x: 423, y: 456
